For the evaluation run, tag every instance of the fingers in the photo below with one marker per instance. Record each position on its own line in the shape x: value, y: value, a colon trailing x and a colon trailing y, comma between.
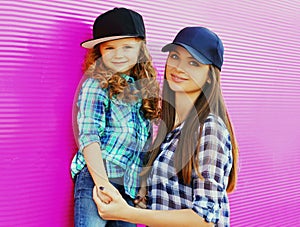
x: 140, y: 202
x: 109, y: 191
x: 100, y: 205
x: 96, y: 197
x: 103, y: 197
x: 141, y: 199
x: 141, y: 205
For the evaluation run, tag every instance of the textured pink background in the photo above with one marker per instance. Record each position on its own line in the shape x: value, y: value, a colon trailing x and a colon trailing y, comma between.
x: 40, y: 66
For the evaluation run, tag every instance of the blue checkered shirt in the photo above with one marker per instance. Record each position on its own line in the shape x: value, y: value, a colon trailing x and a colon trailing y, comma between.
x: 120, y: 128
x: 208, y: 197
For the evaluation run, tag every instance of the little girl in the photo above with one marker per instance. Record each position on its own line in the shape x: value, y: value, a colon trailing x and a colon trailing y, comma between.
x: 116, y: 103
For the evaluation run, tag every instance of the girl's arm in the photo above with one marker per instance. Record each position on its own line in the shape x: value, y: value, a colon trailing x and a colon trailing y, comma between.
x: 118, y: 209
x: 93, y: 157
x: 91, y: 123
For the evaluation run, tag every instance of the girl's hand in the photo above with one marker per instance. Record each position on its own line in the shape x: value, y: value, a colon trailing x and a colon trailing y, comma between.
x: 114, y: 210
x: 102, y: 196
x: 140, y: 200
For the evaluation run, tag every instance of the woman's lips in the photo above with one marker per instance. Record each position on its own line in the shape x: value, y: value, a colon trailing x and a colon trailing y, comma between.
x: 177, y: 79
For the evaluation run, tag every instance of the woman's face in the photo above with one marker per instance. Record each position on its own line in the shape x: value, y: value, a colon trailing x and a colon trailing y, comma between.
x: 120, y: 55
x: 184, y: 73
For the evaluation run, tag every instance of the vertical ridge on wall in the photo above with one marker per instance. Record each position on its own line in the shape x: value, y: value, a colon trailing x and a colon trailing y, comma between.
x: 37, y: 85
x: 40, y: 67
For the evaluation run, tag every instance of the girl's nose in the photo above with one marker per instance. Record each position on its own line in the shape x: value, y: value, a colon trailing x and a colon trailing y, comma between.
x: 118, y: 53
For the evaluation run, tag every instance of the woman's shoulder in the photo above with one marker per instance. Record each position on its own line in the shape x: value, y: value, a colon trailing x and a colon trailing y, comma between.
x: 215, y: 130
x: 214, y: 119
x: 215, y: 124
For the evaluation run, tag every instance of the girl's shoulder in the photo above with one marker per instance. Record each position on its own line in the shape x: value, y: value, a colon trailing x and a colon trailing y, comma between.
x: 90, y: 82
x: 91, y: 91
x: 93, y: 85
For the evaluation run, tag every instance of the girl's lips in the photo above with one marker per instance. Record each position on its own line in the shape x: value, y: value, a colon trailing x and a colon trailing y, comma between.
x: 119, y: 63
x: 177, y: 79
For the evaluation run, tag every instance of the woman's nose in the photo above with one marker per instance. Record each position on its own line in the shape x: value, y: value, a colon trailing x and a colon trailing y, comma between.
x: 179, y: 66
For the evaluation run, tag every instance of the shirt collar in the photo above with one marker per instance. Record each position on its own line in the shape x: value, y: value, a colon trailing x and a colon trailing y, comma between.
x: 128, y: 78
x: 175, y: 132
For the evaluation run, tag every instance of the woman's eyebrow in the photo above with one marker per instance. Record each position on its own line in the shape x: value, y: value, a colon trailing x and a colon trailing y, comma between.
x: 191, y: 57
x: 175, y: 51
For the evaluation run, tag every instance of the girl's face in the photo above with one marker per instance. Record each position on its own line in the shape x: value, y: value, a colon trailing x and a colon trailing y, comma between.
x: 184, y: 73
x: 120, y: 55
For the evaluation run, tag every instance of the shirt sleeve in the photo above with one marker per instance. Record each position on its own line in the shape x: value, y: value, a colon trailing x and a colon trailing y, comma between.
x: 214, y: 164
x: 92, y: 102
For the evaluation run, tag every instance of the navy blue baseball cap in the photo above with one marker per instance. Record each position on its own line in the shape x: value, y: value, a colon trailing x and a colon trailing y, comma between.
x: 204, y: 45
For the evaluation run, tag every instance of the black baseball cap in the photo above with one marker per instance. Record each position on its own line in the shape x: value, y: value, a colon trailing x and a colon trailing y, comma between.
x: 114, y: 24
x: 204, y: 45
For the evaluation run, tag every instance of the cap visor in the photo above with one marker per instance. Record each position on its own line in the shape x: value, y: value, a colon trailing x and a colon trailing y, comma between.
x: 91, y: 43
x: 196, y: 54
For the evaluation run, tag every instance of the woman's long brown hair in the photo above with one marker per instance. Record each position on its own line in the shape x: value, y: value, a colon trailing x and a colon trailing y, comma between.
x: 143, y: 73
x: 187, y: 152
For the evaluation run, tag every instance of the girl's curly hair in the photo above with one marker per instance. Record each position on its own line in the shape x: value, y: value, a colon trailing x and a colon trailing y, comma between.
x: 147, y: 87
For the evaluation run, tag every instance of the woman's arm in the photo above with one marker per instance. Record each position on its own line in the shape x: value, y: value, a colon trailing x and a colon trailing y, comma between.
x: 118, y: 209
x: 209, y: 193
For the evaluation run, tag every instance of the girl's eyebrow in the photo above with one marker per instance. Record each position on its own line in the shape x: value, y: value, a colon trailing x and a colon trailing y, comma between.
x: 131, y: 43
x: 123, y: 44
x: 106, y: 45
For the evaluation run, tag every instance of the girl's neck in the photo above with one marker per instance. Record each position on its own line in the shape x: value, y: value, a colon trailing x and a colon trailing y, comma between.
x: 183, y: 105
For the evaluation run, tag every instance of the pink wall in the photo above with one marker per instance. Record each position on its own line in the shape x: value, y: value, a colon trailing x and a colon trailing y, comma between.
x: 40, y: 61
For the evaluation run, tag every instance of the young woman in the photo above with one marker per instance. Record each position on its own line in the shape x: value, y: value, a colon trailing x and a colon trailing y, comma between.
x: 116, y: 103
x: 193, y: 161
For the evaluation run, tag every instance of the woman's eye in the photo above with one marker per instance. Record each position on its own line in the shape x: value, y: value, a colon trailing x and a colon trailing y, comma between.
x: 194, y: 63
x: 174, y: 56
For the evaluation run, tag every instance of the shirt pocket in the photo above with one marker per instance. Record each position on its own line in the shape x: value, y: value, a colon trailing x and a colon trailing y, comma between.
x: 121, y: 114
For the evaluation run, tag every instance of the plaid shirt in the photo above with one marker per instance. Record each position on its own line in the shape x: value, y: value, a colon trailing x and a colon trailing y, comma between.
x: 208, y: 197
x: 120, y: 128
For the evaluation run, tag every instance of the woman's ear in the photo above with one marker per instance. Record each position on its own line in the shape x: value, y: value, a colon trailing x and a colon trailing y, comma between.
x: 209, y: 76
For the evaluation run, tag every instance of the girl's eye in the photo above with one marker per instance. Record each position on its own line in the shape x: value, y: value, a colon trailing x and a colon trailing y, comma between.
x: 194, y: 63
x: 127, y: 47
x: 109, y: 48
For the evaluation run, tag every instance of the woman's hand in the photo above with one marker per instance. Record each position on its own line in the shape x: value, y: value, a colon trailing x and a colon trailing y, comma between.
x: 116, y: 209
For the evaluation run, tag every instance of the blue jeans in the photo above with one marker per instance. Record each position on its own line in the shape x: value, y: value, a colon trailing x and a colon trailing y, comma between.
x: 85, y: 210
